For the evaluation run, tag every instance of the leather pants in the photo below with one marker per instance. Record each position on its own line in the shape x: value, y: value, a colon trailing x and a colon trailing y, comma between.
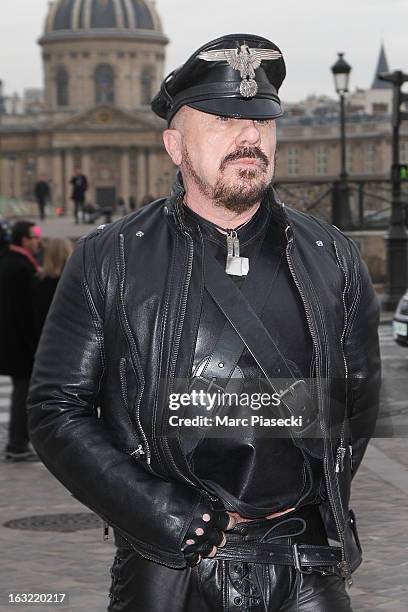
x: 220, y: 585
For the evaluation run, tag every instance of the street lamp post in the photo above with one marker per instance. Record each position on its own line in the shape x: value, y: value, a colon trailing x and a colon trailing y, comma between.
x: 341, y: 207
x: 396, y: 238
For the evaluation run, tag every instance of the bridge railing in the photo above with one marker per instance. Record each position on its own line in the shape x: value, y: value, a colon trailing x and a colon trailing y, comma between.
x: 370, y: 200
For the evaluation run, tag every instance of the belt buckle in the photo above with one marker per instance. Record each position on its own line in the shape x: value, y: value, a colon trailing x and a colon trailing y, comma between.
x: 298, y: 565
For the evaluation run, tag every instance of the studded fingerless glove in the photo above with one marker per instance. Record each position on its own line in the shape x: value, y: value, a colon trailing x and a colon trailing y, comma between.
x: 205, y: 531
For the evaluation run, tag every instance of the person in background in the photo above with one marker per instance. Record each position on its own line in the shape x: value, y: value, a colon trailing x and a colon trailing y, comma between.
x: 79, y: 184
x: 132, y: 203
x: 18, y: 267
x: 42, y: 194
x: 56, y: 253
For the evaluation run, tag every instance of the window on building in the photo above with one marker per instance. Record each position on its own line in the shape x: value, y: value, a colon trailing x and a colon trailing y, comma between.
x: 380, y: 108
x: 62, y: 83
x: 147, y: 85
x: 104, y: 84
x: 321, y: 160
x: 293, y: 161
x: 369, y: 158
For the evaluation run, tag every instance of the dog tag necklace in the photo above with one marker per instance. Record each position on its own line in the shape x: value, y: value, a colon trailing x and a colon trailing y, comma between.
x: 235, y: 264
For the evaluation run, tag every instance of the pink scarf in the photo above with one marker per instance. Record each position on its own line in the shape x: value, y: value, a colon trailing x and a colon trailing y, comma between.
x: 18, y: 249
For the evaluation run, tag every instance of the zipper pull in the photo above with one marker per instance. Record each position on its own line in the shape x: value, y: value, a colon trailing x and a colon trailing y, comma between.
x: 345, y: 572
x: 138, y: 452
x: 105, y: 531
x: 289, y: 234
x: 341, y: 453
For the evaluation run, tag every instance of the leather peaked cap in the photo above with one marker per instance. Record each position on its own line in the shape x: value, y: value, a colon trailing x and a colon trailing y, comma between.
x: 237, y: 75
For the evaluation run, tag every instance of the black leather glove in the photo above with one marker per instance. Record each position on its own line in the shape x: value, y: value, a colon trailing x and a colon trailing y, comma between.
x: 205, y: 531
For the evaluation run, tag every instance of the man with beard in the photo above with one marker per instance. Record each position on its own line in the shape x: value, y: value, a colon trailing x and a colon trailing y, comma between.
x: 218, y: 289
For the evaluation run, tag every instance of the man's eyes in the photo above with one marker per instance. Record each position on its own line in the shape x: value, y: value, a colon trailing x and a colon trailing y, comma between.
x: 259, y: 121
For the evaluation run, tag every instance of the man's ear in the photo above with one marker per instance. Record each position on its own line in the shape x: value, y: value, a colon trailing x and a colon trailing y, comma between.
x: 172, y: 143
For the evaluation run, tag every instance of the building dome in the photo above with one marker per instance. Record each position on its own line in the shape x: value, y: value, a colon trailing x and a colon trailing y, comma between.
x: 68, y: 19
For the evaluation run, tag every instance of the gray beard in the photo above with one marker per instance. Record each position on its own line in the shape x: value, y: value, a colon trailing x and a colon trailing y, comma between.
x: 233, y: 197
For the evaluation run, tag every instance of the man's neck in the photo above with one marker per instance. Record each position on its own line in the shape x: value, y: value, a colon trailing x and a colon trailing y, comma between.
x: 216, y: 214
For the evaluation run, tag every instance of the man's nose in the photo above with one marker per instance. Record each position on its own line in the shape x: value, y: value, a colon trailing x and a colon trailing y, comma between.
x: 248, y: 132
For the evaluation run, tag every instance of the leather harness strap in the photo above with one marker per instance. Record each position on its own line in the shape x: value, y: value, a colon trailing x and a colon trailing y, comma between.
x: 239, y: 307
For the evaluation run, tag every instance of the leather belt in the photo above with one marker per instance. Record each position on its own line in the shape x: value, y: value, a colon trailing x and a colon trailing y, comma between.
x: 305, y: 558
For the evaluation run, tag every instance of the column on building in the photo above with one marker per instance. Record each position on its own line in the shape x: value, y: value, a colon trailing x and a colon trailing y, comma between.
x: 5, y: 190
x: 18, y: 178
x: 151, y: 172
x: 86, y: 169
x: 43, y: 167
x: 142, y: 188
x: 125, y: 175
x: 68, y: 174
x: 57, y: 180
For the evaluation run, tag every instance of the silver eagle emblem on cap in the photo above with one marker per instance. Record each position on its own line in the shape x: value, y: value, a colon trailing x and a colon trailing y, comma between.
x: 244, y: 59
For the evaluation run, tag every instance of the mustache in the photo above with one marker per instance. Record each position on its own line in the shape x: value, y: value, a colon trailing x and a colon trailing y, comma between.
x: 246, y: 152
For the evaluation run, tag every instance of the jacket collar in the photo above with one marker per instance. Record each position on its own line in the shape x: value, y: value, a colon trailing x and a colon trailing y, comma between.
x: 175, y: 206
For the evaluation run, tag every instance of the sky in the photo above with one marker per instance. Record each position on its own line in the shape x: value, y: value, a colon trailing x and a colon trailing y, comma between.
x: 310, y: 34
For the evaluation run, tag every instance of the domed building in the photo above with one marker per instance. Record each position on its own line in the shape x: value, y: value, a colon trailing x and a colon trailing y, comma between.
x: 103, y: 61
x: 102, y: 51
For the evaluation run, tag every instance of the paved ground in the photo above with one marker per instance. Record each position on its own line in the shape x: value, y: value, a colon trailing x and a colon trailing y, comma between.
x: 78, y: 563
x: 65, y: 226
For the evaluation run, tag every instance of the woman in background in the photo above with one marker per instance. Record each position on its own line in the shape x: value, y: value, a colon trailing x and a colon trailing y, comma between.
x: 56, y: 253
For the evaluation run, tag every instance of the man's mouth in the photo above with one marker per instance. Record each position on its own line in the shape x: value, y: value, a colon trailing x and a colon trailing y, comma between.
x: 247, y: 161
x: 246, y: 157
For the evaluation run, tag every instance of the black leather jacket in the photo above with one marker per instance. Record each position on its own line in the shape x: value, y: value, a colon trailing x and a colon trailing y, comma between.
x: 125, y: 317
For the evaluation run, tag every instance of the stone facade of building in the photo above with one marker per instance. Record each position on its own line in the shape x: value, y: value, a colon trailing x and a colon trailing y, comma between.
x: 103, y: 61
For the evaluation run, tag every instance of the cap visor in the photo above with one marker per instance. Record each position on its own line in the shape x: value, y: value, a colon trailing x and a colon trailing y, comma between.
x: 255, y: 108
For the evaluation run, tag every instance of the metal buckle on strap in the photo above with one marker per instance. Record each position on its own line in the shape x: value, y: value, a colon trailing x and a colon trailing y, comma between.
x: 209, y: 382
x: 296, y: 558
x: 291, y: 388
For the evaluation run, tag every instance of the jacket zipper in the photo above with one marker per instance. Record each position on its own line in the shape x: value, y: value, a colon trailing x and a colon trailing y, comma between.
x: 341, y: 451
x: 344, y: 565
x: 177, y: 339
x: 139, y: 451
